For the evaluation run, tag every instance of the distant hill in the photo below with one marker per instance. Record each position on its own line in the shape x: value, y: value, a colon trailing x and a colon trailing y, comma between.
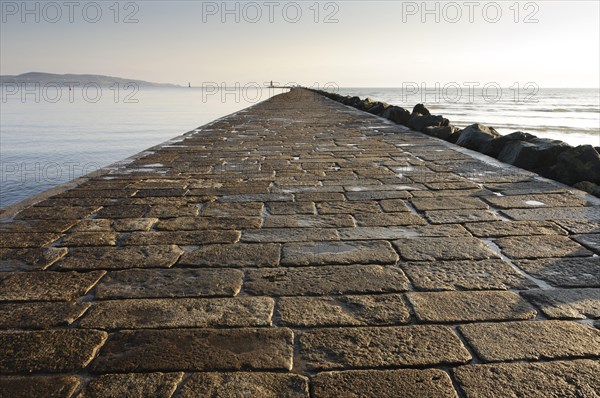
x: 104, y: 81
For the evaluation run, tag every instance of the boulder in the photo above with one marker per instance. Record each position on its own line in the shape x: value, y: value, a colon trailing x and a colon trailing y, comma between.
x: 476, y: 136
x: 581, y: 163
x: 588, y: 187
x: 419, y: 122
x: 538, y: 155
x: 495, y: 146
x: 397, y: 115
x: 377, y: 108
x: 420, y: 108
x: 443, y: 132
x: 366, y: 104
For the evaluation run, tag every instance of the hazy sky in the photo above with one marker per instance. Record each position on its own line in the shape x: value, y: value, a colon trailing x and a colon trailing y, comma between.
x: 372, y: 44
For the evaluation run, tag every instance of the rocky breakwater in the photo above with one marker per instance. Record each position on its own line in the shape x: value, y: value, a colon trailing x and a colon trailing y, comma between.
x: 577, y: 166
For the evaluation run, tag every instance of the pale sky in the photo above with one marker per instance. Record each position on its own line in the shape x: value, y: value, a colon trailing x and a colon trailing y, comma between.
x: 372, y: 44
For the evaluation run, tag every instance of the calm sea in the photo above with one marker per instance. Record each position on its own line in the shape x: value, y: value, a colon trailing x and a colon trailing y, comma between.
x: 45, y: 142
x: 570, y: 115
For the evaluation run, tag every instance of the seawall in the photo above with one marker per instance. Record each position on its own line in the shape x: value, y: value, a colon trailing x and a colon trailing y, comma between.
x: 302, y: 248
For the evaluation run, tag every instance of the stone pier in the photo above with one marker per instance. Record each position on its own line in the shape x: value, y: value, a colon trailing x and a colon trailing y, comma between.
x: 302, y: 248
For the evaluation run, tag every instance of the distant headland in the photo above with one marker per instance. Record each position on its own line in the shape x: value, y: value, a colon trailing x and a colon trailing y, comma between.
x: 66, y: 79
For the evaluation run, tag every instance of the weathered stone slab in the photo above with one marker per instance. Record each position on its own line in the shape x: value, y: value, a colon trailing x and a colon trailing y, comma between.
x: 465, y: 275
x: 445, y: 203
x: 533, y: 340
x: 233, y: 209
x: 436, y: 249
x: 49, y: 351
x: 309, y: 221
x: 348, y: 207
x: 208, y: 223
x: 347, y: 252
x: 319, y: 197
x: 29, y: 259
x: 398, y: 232
x: 119, y: 225
x: 591, y: 241
x: 133, y: 385
x: 269, y: 197
x: 583, y: 226
x: 46, y: 285
x: 377, y: 195
x: 567, y: 303
x: 411, y: 383
x: 57, y: 213
x: 470, y: 306
x: 38, y: 386
x: 162, y: 192
x: 170, y: 211
x: 324, y: 280
x: 245, y: 384
x: 177, y: 282
x: 441, y: 186
x: 40, y: 315
x: 158, y: 256
x: 346, y: 348
x: 180, y: 238
x: 499, y: 229
x: 233, y: 255
x: 524, y: 188
x: 541, y: 246
x: 555, y: 213
x: 89, y: 239
x: 36, y: 226
x: 566, y: 272
x: 290, y: 235
x: 393, y: 205
x: 384, y: 309
x: 179, y: 313
x: 196, y: 350
x: 534, y: 200
x: 281, y: 208
x: 120, y: 210
x: 387, y: 219
x: 25, y: 240
x: 459, y: 216
x: 556, y: 379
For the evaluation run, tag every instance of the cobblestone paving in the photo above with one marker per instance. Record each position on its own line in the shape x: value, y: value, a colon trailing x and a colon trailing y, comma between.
x: 301, y: 248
